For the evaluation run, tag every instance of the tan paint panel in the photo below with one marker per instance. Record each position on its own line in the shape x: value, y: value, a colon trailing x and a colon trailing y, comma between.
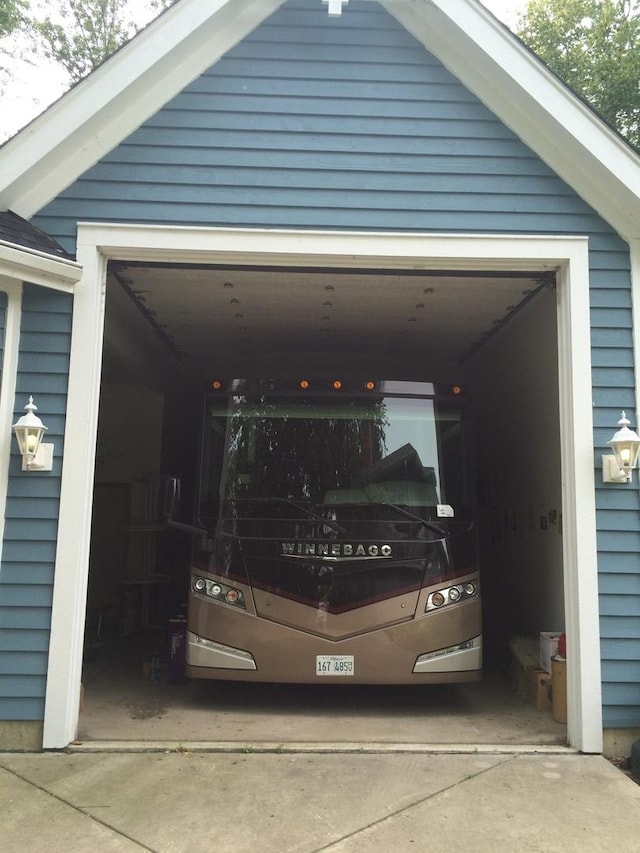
x: 317, y: 620
x: 383, y: 656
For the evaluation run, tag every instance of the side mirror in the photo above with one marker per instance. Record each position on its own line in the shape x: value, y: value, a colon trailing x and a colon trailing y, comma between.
x: 169, y: 506
x: 170, y: 498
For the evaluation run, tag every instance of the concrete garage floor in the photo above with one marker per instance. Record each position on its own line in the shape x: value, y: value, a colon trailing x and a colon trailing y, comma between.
x: 120, y: 705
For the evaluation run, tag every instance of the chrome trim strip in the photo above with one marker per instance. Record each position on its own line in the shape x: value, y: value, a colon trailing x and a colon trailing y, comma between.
x: 325, y: 559
x: 460, y: 660
x: 203, y: 652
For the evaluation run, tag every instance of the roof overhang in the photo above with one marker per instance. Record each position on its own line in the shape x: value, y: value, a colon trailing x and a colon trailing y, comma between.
x: 24, y: 264
x: 101, y: 111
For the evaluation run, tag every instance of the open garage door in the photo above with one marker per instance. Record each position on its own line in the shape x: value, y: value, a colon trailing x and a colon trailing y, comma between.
x: 173, y: 326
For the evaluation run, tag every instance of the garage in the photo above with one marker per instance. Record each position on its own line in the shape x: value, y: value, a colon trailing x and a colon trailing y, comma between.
x: 259, y: 189
x: 165, y: 325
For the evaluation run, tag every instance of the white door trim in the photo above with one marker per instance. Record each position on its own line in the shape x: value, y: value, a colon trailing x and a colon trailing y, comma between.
x: 8, y: 380
x: 98, y: 243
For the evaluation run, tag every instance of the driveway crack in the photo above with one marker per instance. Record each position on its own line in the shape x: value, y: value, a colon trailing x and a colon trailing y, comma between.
x: 80, y: 809
x: 418, y: 802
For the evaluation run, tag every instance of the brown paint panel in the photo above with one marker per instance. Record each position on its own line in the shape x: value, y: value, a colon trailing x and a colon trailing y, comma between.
x: 287, y: 654
x: 317, y: 620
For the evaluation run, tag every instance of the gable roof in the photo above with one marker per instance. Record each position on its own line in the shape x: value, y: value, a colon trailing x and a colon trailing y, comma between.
x: 180, y: 45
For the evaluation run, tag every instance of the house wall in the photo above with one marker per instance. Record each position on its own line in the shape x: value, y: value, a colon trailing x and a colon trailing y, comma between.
x: 348, y: 123
x: 29, y: 548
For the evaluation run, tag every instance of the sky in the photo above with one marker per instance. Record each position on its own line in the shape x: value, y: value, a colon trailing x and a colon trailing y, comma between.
x: 36, y: 83
x: 506, y: 10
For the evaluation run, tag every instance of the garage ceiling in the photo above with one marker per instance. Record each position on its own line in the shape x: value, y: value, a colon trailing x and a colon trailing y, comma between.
x: 232, y: 320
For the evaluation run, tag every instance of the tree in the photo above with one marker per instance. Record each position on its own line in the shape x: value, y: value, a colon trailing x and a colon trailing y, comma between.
x: 594, y: 46
x: 12, y: 16
x: 160, y: 5
x: 84, y: 33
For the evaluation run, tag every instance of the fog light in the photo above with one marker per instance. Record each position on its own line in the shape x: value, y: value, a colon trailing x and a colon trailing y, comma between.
x: 199, y: 584
x: 216, y: 589
x: 454, y: 594
x: 470, y: 588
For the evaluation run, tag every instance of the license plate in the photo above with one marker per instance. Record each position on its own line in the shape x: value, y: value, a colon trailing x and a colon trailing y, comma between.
x: 335, y: 665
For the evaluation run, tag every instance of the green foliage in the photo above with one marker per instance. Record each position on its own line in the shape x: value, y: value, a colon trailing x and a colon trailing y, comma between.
x: 12, y: 15
x: 594, y: 46
x: 84, y: 34
x: 12, y: 19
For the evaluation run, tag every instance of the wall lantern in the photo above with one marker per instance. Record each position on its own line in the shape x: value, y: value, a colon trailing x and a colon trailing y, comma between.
x: 29, y: 430
x: 626, y: 447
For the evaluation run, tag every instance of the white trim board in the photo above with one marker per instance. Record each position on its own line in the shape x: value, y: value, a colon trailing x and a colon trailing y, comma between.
x: 23, y: 264
x: 97, y: 243
x: 9, y: 375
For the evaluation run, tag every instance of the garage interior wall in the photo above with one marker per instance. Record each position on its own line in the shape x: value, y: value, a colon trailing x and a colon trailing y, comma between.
x: 514, y: 384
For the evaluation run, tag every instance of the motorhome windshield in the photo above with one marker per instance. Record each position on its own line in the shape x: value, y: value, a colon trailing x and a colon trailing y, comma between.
x: 333, y: 450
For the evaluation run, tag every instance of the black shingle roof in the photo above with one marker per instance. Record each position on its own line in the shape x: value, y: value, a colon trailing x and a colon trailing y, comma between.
x: 14, y: 229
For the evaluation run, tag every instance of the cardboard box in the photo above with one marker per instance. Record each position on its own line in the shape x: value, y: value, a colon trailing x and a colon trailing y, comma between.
x: 539, y: 689
x: 524, y: 654
x: 548, y: 648
x: 559, y: 690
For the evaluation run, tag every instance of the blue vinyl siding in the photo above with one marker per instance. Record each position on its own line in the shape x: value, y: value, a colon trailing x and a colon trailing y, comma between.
x: 348, y: 123
x: 320, y: 122
x: 31, y: 525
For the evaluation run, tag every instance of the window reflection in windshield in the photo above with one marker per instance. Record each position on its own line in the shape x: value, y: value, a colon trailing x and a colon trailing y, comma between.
x: 330, y: 452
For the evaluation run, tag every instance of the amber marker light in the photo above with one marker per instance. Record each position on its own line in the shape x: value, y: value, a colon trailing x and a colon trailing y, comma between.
x: 216, y: 385
x: 337, y: 384
x: 456, y: 389
x: 370, y: 386
x: 304, y: 384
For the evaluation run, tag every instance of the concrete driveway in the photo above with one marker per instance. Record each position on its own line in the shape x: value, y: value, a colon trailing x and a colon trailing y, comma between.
x: 347, y: 802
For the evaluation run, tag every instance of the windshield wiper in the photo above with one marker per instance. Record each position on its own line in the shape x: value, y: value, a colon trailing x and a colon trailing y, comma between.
x: 329, y: 522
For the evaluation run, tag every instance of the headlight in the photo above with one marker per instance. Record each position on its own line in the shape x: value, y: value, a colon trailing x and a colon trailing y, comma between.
x: 452, y: 595
x: 218, y: 591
